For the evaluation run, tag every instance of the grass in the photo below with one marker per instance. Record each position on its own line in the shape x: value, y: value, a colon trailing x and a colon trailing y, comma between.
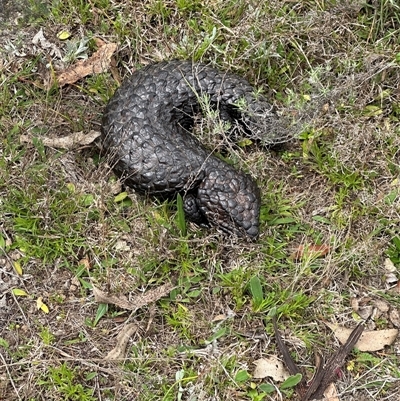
x: 330, y: 67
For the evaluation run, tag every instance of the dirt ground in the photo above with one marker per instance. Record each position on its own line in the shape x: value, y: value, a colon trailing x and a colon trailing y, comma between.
x: 187, y: 317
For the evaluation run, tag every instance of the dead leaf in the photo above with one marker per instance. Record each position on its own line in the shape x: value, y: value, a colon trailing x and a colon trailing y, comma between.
x: 394, y: 317
x: 219, y: 318
x: 120, y: 319
x: 85, y: 263
x: 369, y: 340
x: 19, y: 293
x: 66, y: 142
x: 18, y: 268
x: 75, y: 284
x: 389, y: 266
x: 123, y: 337
x: 314, y: 251
x: 137, y: 302
x: 40, y: 40
x: 96, y: 64
x: 122, y: 246
x: 390, y: 274
x: 41, y: 305
x: 119, y: 300
x: 355, y: 304
x: 381, y: 305
x: 391, y: 279
x: 270, y: 367
x: 330, y: 393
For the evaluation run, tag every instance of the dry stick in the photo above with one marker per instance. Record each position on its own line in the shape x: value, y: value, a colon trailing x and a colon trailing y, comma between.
x: 325, y: 374
x: 329, y: 372
x: 292, y: 367
x: 316, y: 382
x: 289, y: 362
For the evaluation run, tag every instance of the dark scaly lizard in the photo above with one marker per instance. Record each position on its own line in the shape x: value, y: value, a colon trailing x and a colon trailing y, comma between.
x: 146, y: 131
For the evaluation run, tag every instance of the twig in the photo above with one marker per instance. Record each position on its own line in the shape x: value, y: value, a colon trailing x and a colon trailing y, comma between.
x: 326, y: 373
x: 301, y: 388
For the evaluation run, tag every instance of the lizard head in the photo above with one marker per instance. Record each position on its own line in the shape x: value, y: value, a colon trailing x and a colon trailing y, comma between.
x: 230, y: 200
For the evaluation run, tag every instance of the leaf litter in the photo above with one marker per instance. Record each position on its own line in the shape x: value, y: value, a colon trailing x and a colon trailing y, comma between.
x: 71, y: 141
x: 369, y: 340
x: 270, y: 367
x: 124, y: 327
x: 134, y: 304
x: 310, y: 251
x: 97, y: 63
x: 326, y: 372
x: 123, y: 337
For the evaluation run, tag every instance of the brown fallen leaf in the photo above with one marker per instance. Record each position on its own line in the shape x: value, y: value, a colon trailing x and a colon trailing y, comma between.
x: 219, y: 318
x: 85, y: 263
x: 123, y: 337
x: 315, y: 251
x: 369, y: 340
x: 96, y: 64
x: 66, y: 142
x: 270, y: 367
x: 330, y: 393
x: 136, y: 302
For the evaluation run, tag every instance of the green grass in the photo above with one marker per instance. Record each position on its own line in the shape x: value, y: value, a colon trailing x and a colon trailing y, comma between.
x: 67, y: 383
x: 329, y: 68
